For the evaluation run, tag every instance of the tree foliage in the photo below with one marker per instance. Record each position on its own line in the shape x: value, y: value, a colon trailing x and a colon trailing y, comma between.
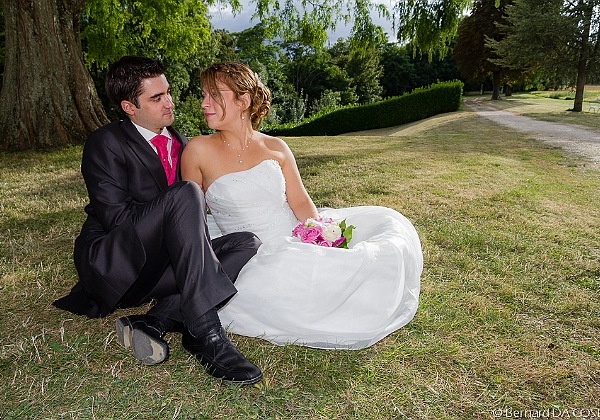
x: 470, y: 51
x: 363, y: 68
x: 114, y: 28
x: 474, y: 57
x: 313, y: 71
x: 429, y: 25
x: 403, y: 70
x: 267, y: 57
x: 307, y: 21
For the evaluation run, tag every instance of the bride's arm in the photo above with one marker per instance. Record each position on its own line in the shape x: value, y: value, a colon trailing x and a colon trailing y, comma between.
x: 190, y: 162
x: 297, y: 197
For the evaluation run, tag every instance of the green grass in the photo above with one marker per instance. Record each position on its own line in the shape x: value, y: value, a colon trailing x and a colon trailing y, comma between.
x: 509, y: 313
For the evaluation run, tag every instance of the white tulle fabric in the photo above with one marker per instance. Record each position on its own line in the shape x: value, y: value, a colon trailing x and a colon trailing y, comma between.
x: 296, y: 293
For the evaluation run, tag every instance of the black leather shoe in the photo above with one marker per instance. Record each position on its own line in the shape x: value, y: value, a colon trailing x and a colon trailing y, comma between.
x: 221, y: 359
x: 144, y: 334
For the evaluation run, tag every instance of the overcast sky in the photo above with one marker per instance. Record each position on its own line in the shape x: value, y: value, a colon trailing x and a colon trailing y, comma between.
x: 222, y: 18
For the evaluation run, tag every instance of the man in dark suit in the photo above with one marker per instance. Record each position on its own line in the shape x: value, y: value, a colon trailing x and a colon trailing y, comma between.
x: 146, y: 239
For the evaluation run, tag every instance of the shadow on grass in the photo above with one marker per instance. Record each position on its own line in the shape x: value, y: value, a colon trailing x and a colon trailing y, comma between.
x: 312, y: 165
x: 45, y: 189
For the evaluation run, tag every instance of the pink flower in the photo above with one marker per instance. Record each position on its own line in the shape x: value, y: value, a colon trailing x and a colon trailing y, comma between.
x: 338, y: 241
x: 324, y: 232
x: 309, y: 235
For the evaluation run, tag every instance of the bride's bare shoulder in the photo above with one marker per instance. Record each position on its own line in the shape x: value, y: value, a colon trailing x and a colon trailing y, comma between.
x: 199, y: 141
x: 274, y: 143
x: 201, y: 144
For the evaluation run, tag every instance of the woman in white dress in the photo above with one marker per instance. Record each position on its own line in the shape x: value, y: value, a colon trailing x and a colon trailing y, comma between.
x: 293, y: 292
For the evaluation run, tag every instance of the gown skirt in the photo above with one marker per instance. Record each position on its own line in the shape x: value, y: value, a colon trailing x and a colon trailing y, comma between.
x: 296, y: 293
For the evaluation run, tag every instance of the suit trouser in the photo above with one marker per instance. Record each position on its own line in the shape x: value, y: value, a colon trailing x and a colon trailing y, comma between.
x: 184, y: 271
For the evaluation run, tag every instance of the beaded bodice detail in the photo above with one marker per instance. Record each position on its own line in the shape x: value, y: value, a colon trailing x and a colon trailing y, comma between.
x: 253, y: 200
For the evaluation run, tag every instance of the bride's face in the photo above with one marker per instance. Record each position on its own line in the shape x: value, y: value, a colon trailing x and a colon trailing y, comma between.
x: 220, y: 107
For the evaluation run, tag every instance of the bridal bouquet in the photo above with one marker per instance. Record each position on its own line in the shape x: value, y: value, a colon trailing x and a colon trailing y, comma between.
x: 324, y: 231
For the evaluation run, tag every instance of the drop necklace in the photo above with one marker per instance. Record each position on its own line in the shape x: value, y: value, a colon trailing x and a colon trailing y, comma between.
x: 245, y: 147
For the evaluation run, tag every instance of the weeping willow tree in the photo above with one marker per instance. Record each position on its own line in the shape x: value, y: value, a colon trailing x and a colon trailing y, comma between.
x: 307, y: 21
x: 429, y: 25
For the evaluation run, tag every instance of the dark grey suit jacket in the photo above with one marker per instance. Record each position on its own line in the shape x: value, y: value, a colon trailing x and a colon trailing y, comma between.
x: 122, y: 172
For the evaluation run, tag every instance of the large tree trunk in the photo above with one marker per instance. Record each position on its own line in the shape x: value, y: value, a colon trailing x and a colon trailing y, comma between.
x: 496, y: 86
x: 583, y: 57
x: 48, y: 98
x: 581, y: 69
x: 579, y: 87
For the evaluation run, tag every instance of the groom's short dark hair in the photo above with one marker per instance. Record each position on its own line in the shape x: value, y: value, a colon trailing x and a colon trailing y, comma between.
x: 124, y: 78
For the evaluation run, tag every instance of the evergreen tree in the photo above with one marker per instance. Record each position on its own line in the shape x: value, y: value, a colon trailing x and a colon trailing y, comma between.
x: 475, y: 59
x: 556, y: 39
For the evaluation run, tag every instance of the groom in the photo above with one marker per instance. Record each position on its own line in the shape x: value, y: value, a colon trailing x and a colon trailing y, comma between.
x: 146, y: 239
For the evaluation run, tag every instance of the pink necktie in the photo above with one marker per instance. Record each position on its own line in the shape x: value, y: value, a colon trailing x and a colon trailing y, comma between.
x: 160, y: 142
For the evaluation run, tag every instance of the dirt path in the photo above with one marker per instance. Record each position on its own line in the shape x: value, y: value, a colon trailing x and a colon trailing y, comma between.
x: 575, y: 140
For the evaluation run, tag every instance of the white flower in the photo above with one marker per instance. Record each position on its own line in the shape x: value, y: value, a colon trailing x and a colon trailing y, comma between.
x: 331, y: 232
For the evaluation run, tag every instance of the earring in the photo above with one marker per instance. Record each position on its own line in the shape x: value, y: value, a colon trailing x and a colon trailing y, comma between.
x: 243, y: 118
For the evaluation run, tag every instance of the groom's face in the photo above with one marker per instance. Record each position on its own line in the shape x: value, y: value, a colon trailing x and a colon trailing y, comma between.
x: 155, y: 106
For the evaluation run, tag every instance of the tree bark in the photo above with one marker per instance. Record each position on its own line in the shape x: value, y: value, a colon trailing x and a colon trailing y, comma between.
x: 583, y: 58
x: 48, y: 98
x: 496, y: 86
x: 579, y: 87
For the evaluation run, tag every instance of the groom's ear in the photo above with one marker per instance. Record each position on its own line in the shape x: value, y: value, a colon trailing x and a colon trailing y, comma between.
x: 128, y: 107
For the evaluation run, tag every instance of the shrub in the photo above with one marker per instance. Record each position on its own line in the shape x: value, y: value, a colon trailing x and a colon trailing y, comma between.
x: 419, y: 104
x: 189, y: 118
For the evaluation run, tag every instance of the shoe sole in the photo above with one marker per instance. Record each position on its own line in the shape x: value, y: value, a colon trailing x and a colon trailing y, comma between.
x: 234, y: 382
x: 147, y: 349
x: 124, y: 332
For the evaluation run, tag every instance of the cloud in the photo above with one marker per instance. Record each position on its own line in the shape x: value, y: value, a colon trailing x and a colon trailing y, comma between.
x: 222, y: 17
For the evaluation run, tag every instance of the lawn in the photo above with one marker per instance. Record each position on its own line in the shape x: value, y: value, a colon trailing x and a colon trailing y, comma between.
x: 509, y: 317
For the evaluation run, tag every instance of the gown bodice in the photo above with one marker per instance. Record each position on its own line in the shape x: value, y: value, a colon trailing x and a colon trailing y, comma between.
x: 252, y: 200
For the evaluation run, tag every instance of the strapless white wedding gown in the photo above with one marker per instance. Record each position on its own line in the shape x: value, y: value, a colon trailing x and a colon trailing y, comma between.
x: 297, y: 293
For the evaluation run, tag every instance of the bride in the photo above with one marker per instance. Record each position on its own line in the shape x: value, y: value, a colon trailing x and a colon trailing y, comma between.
x: 295, y: 292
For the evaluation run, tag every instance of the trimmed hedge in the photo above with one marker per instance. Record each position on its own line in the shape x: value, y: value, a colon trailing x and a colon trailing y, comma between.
x: 419, y: 104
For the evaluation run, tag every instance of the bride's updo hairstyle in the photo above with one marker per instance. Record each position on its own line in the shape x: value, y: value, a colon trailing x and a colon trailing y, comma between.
x: 240, y: 79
